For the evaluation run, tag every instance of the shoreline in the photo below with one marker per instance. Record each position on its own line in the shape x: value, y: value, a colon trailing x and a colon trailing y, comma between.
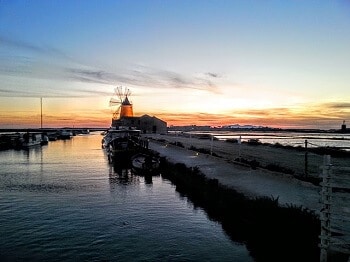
x: 266, y: 192
x: 252, y: 182
x: 279, y: 158
x: 292, y: 232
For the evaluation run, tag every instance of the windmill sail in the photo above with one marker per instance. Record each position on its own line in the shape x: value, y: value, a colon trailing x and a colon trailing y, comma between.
x: 114, y: 101
x: 125, y: 107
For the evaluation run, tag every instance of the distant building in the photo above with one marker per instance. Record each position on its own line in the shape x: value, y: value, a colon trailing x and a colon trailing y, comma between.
x: 124, y: 115
x: 147, y: 124
x: 343, y: 127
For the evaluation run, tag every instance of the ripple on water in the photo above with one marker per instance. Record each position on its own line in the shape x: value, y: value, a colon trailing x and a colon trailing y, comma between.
x: 66, y: 203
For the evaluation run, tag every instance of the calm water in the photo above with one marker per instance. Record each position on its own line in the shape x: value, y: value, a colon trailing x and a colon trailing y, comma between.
x: 65, y: 202
x: 289, y: 138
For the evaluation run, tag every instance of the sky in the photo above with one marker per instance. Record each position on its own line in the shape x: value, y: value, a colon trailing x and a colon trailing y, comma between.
x: 189, y: 62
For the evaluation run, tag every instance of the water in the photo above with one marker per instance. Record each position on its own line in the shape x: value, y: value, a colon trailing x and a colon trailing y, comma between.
x: 65, y: 202
x: 338, y: 140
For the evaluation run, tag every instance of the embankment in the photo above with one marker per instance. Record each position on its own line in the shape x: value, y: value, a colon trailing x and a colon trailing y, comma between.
x: 270, y: 232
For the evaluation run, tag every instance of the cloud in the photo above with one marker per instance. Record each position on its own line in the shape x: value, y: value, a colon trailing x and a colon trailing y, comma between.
x: 33, y: 63
x: 22, y: 45
x: 214, y: 75
x: 338, y: 105
x: 88, y: 76
x: 142, y: 76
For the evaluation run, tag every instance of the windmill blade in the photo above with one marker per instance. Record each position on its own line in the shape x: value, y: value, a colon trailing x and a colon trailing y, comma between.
x: 113, y: 102
x: 116, y: 113
x: 119, y: 92
x: 127, y: 92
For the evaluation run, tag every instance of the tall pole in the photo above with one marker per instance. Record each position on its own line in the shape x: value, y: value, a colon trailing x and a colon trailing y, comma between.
x: 41, y: 112
x: 306, y: 159
x: 325, y: 217
x: 239, y: 147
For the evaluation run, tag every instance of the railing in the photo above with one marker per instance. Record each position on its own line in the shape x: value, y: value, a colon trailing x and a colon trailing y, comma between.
x: 335, y: 214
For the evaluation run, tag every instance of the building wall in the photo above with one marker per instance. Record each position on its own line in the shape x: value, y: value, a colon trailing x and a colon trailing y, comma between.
x: 152, y: 125
x: 145, y: 123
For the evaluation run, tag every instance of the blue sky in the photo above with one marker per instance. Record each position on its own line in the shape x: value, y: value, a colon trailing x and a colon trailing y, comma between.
x: 225, y: 61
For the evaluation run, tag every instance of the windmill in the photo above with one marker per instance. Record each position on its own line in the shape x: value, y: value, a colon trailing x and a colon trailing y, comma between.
x: 120, y: 99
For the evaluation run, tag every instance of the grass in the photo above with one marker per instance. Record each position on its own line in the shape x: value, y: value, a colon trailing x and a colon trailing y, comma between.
x: 270, y: 232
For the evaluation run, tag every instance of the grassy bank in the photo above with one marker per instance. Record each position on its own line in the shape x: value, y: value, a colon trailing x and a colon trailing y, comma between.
x: 270, y: 232
x: 277, y: 158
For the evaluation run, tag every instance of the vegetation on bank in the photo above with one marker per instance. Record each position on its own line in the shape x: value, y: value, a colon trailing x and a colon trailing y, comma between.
x: 270, y: 232
x: 325, y: 150
x: 275, y: 167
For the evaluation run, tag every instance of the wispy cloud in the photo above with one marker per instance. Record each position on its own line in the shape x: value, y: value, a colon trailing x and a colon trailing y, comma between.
x: 88, y: 76
x: 338, y: 105
x: 214, y: 75
x: 49, y: 63
x: 23, y: 45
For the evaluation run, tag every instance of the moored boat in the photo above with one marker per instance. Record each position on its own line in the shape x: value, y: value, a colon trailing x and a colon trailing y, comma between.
x: 31, y: 139
x: 113, y: 134
x: 121, y: 144
x: 65, y: 134
x: 144, y: 163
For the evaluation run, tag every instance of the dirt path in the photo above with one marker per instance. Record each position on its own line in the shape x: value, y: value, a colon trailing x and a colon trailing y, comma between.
x: 290, y: 159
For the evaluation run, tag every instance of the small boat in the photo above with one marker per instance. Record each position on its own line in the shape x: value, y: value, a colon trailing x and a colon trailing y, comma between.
x: 121, y: 144
x: 31, y: 140
x: 64, y: 134
x: 52, y: 136
x: 113, y: 134
x: 44, y: 139
x: 144, y: 164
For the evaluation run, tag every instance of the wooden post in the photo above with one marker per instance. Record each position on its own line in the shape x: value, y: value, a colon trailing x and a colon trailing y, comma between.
x: 239, y: 148
x: 211, y: 145
x: 326, y: 197
x: 306, y: 160
x: 41, y: 112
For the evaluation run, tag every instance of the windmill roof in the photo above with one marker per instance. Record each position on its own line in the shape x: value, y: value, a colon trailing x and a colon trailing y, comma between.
x: 126, y: 101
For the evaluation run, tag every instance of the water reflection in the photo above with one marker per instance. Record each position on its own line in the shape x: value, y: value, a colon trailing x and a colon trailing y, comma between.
x: 69, y: 194
x: 121, y: 172
x: 122, y: 176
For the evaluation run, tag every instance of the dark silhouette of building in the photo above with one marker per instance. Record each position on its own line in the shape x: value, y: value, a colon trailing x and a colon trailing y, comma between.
x: 343, y: 127
x: 145, y: 123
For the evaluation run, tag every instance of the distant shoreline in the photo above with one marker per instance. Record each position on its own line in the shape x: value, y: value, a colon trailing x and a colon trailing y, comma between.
x: 14, y: 130
x: 253, y: 129
x: 191, y: 129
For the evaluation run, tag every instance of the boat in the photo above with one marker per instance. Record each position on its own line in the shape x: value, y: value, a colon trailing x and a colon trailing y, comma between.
x: 144, y: 163
x: 53, y: 135
x: 64, y: 134
x: 121, y: 144
x: 113, y: 134
x: 31, y: 139
x: 44, y: 139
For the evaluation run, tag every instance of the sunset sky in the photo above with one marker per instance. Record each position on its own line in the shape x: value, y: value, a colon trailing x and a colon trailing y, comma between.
x: 270, y: 63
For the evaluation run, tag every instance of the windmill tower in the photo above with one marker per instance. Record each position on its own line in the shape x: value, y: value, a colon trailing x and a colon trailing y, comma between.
x: 124, y: 107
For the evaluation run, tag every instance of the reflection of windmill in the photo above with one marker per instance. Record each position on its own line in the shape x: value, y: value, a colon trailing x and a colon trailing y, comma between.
x: 125, y: 107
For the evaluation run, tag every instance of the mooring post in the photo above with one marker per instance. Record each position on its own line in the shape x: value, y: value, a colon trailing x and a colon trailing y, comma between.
x: 306, y: 159
x: 239, y: 148
x: 211, y: 145
x: 326, y: 197
x: 41, y: 112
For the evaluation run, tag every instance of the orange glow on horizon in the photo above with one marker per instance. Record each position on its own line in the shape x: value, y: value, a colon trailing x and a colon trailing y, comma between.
x: 25, y: 113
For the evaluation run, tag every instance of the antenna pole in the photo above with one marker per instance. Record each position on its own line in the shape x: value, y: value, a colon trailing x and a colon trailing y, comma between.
x: 41, y: 112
